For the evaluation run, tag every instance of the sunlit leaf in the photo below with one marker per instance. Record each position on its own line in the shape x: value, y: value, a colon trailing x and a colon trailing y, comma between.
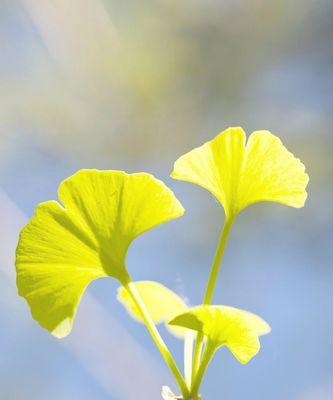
x: 86, y: 236
x: 162, y: 303
x: 239, y: 173
x: 226, y: 326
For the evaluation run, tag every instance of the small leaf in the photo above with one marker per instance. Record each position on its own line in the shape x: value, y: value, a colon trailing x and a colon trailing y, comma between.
x: 239, y: 174
x: 226, y: 326
x: 67, y: 245
x: 162, y: 304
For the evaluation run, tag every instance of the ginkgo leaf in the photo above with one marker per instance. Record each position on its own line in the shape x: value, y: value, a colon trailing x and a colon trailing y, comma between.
x: 226, y: 326
x: 239, y: 173
x: 66, y: 245
x: 161, y: 303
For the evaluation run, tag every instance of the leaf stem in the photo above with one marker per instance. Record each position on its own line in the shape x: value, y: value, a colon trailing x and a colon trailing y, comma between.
x: 206, y: 358
x: 224, y: 235
x: 188, y: 355
x: 159, y: 342
x: 217, y: 259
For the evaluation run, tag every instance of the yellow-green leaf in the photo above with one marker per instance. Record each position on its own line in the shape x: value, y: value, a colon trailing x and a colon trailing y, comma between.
x: 86, y: 236
x: 162, y: 303
x: 239, y: 174
x: 226, y: 326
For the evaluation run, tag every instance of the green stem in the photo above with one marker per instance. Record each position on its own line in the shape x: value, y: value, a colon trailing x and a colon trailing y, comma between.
x: 135, y: 296
x: 197, y: 355
x: 217, y: 259
x: 206, y: 358
x: 211, y: 286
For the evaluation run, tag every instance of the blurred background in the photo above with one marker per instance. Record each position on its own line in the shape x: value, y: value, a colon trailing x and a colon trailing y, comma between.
x: 133, y: 85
